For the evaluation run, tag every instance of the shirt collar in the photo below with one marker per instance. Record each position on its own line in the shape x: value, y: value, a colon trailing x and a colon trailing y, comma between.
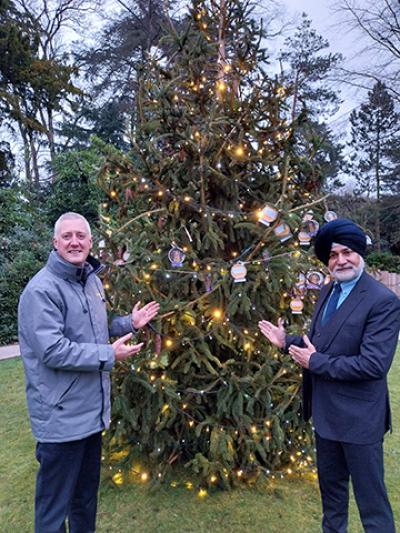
x: 347, y: 286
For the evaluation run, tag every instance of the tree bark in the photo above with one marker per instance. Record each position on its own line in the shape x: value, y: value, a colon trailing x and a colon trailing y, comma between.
x: 35, y: 165
x: 378, y: 193
x: 27, y: 154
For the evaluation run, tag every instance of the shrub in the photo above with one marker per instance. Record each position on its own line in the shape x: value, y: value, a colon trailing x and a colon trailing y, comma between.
x: 24, y: 253
x: 384, y: 261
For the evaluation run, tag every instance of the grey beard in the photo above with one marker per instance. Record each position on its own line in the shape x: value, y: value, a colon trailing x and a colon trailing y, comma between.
x: 356, y: 272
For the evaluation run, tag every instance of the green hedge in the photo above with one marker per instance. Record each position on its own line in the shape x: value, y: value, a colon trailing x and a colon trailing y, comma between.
x: 26, y: 251
x: 384, y: 261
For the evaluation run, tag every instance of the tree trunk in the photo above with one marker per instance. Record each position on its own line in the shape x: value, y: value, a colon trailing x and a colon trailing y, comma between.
x: 35, y: 165
x: 27, y: 154
x: 49, y: 131
x: 378, y: 193
x: 51, y: 136
x: 295, y: 95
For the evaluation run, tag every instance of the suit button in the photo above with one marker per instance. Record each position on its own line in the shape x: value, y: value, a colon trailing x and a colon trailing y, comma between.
x: 318, y: 335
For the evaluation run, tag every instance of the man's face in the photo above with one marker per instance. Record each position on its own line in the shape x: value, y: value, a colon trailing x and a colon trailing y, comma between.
x: 344, y: 264
x: 73, y: 241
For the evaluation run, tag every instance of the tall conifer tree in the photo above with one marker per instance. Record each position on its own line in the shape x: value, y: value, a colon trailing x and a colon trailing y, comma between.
x: 203, y: 216
x: 374, y: 132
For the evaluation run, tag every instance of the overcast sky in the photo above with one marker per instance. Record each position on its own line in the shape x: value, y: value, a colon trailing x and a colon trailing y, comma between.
x: 329, y: 24
x: 324, y: 19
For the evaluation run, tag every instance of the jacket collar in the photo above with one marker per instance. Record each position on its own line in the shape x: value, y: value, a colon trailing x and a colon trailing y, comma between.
x: 326, y: 290
x: 354, y: 299
x: 63, y: 269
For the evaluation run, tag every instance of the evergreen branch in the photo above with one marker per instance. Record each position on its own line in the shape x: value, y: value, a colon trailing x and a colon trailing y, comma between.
x: 261, y: 242
x: 229, y: 136
x: 286, y: 404
x: 146, y: 213
x: 284, y: 179
x: 206, y: 390
x: 310, y: 204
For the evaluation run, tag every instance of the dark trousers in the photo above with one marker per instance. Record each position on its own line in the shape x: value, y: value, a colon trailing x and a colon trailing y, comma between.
x: 337, y: 462
x: 66, y: 485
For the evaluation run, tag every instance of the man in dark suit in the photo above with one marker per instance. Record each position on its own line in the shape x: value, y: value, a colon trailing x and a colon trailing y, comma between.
x: 345, y: 359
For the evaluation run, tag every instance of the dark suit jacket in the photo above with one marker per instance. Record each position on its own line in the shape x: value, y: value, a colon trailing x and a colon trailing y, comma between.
x: 345, y: 389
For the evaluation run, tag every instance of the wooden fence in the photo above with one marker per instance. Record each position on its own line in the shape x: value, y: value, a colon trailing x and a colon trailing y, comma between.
x: 390, y: 279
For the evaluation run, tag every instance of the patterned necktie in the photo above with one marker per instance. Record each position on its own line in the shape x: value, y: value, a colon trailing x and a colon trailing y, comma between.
x: 332, y: 303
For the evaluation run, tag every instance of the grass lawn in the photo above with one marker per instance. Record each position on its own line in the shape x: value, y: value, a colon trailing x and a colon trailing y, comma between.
x: 283, y: 506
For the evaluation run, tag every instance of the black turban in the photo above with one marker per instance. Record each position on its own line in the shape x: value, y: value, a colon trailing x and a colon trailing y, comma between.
x: 341, y: 231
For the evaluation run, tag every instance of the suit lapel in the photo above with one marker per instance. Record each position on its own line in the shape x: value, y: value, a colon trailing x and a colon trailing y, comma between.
x: 353, y: 300
x: 325, y: 291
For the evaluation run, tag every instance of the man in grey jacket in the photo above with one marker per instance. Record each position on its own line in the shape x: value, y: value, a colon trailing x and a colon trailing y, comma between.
x: 64, y: 339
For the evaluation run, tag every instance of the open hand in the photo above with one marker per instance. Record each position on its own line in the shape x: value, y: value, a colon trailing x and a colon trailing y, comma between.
x: 123, y: 351
x: 142, y: 316
x: 302, y: 355
x: 275, y: 334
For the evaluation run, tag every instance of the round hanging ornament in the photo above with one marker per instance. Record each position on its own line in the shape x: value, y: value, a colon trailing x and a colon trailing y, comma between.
x: 239, y: 272
x: 268, y: 215
x: 309, y: 228
x: 282, y: 231
x: 304, y: 238
x: 300, y: 287
x: 315, y: 280
x: 309, y: 215
x: 176, y: 256
x: 330, y: 215
x: 296, y: 305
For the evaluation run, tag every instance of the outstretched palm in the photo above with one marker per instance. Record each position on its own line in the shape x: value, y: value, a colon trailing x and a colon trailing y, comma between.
x: 142, y: 316
x: 275, y: 334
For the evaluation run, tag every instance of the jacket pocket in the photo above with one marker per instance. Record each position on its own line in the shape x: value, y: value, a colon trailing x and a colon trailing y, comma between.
x: 356, y: 396
x: 66, y: 392
x: 358, y: 393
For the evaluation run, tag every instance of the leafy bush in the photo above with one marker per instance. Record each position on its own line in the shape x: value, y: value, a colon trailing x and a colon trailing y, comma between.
x: 384, y: 261
x: 75, y: 185
x: 25, y: 242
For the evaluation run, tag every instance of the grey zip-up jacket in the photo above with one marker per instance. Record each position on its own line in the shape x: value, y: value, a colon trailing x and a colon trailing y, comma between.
x: 64, y: 341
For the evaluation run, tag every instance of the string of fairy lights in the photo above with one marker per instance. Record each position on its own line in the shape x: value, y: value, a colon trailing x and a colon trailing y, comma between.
x: 304, y: 467
x: 301, y: 461
x: 267, y: 216
x: 218, y: 316
x: 300, y: 466
x: 271, y: 217
x: 237, y: 264
x: 151, y: 186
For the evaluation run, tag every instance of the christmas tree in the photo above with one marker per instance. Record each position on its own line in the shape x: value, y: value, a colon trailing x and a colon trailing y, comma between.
x: 204, y: 216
